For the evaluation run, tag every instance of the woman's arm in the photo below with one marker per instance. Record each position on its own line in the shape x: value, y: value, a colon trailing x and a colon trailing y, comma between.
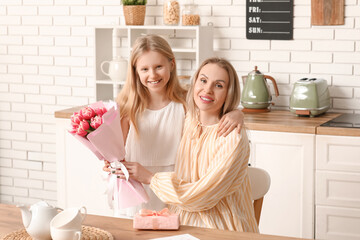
x: 230, y: 121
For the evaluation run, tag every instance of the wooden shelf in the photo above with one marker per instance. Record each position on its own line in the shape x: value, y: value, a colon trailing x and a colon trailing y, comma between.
x: 109, y: 82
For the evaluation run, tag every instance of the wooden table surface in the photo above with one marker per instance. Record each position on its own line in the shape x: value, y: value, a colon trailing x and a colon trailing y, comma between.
x: 10, y: 220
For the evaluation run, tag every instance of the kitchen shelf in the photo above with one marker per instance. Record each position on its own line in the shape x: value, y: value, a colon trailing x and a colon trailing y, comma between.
x: 107, y: 81
x: 191, y: 46
x: 184, y: 50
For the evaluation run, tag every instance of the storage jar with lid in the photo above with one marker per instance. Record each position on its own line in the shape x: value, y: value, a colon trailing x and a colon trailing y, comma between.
x: 190, y: 14
x: 171, y: 12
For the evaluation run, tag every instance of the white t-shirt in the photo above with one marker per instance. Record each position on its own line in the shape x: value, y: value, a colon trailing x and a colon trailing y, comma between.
x: 155, y: 147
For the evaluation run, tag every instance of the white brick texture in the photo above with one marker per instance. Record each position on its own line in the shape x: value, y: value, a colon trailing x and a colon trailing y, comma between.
x: 21, y: 164
x: 47, y: 64
x: 70, y: 81
x: 54, y: 10
x: 28, y: 183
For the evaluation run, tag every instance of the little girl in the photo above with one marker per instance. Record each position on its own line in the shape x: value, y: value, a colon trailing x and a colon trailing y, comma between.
x: 210, y: 186
x: 152, y: 109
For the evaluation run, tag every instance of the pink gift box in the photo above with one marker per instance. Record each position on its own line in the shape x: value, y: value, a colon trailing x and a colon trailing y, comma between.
x: 156, y: 220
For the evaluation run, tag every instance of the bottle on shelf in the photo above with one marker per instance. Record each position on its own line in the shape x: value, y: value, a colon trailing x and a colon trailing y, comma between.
x: 171, y: 12
x: 190, y: 14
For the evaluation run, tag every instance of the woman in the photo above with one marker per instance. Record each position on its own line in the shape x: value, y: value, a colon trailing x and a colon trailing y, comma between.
x: 210, y: 186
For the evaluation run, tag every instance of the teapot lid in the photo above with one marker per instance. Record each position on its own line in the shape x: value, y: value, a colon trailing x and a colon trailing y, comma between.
x: 118, y: 58
x: 41, y: 204
x: 255, y: 72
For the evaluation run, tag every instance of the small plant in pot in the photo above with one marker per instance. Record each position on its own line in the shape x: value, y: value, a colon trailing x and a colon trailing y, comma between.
x: 134, y: 11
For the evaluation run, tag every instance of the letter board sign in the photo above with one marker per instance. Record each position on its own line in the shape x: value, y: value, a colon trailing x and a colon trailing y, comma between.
x: 269, y: 19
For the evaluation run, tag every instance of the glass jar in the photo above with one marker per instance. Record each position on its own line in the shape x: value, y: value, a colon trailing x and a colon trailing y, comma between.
x: 190, y: 15
x: 171, y: 12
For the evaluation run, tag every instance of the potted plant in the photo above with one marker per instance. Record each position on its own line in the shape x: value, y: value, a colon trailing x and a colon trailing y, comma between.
x: 134, y: 11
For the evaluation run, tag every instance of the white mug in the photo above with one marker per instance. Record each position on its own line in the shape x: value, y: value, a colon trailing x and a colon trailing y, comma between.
x: 65, y: 234
x: 70, y: 218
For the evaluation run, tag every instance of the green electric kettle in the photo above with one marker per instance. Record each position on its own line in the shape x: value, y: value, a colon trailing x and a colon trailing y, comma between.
x: 256, y: 93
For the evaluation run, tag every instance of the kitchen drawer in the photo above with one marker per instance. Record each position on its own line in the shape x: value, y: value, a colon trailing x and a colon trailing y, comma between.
x: 338, y: 153
x: 337, y: 189
x: 336, y: 223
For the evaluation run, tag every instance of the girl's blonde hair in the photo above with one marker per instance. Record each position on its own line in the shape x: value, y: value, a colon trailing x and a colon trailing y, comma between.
x: 233, y: 95
x: 134, y: 97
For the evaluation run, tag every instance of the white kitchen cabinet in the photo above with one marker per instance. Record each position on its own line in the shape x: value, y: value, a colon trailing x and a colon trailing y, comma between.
x: 288, y: 207
x: 80, y: 178
x: 337, y: 187
x: 190, y: 44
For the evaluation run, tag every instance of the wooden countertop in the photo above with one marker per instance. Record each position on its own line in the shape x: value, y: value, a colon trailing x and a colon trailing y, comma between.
x: 285, y: 121
x: 337, y: 131
x: 275, y: 120
x: 10, y: 220
x: 66, y: 113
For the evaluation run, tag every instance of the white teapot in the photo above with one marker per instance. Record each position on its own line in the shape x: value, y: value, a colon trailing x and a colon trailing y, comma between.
x: 37, y: 219
x: 117, y: 69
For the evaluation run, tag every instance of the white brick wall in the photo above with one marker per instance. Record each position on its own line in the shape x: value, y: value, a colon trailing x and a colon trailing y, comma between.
x: 46, y: 64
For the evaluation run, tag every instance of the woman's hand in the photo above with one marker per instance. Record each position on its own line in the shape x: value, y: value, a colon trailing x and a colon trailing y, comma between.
x: 230, y: 121
x: 136, y: 172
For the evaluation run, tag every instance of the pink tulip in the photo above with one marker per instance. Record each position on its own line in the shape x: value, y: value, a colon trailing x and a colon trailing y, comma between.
x: 76, y: 119
x: 100, y: 111
x: 73, y: 129
x: 96, y: 122
x: 87, y: 113
x: 81, y: 132
x: 83, y: 126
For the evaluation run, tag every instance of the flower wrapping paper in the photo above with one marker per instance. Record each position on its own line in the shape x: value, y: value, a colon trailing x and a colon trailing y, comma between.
x: 106, y: 142
x: 162, y: 220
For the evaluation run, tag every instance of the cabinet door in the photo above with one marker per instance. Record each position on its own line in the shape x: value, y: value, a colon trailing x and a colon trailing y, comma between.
x: 336, y: 223
x: 80, y: 179
x: 288, y: 207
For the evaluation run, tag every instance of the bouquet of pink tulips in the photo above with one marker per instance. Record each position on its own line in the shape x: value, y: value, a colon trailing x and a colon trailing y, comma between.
x: 98, y: 127
x: 87, y: 120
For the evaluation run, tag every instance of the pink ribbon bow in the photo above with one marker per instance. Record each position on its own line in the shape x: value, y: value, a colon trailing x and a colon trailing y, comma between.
x: 146, y: 212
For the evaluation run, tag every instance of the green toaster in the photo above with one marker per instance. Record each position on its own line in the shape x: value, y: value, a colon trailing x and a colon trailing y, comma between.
x: 310, y: 96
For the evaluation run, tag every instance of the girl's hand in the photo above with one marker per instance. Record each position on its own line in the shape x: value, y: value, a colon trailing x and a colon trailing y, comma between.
x: 136, y: 172
x: 230, y: 121
x: 107, y: 166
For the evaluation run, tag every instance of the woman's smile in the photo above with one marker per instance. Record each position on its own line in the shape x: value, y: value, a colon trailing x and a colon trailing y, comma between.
x: 206, y: 99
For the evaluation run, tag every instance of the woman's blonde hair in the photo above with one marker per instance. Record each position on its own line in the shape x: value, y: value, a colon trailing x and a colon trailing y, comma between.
x: 233, y: 95
x: 134, y: 97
